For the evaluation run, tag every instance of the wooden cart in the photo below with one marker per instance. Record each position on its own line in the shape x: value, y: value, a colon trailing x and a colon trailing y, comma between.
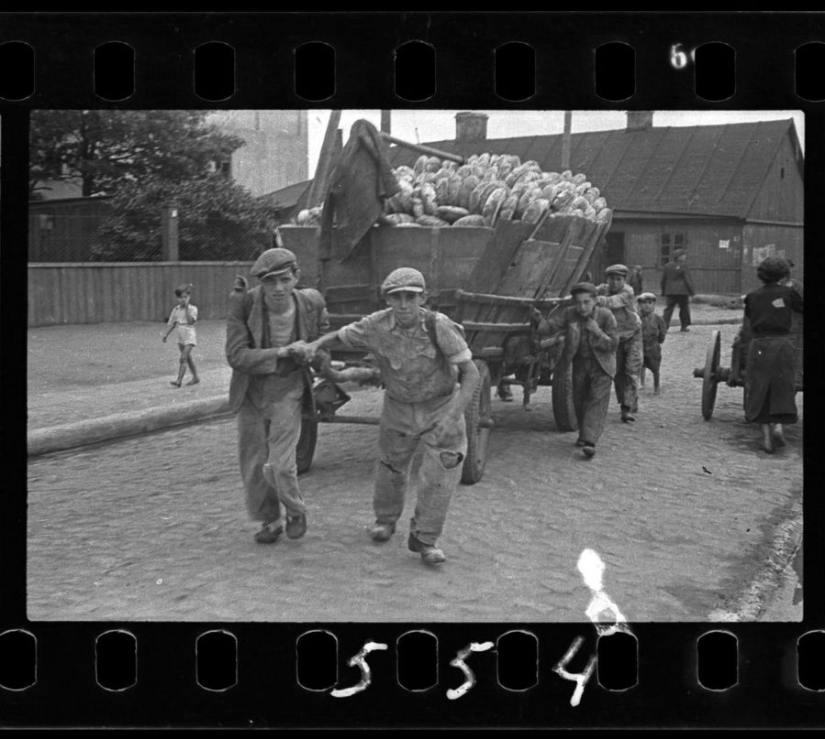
x: 735, y: 375
x: 487, y: 279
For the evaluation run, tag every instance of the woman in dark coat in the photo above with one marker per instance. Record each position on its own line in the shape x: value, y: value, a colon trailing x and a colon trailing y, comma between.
x: 770, y: 367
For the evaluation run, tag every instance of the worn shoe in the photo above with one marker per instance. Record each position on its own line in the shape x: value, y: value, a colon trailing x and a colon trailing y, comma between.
x: 430, y: 554
x: 270, y: 532
x: 589, y: 450
x: 296, y: 526
x: 628, y: 417
x: 684, y: 329
x: 381, y: 531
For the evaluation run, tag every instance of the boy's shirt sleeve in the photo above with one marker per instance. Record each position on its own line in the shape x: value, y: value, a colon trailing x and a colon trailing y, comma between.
x: 358, y: 335
x: 662, y: 329
x: 450, y: 340
x: 172, y: 315
x: 193, y: 312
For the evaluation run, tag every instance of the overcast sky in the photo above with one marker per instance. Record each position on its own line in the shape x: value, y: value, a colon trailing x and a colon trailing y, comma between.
x: 420, y: 126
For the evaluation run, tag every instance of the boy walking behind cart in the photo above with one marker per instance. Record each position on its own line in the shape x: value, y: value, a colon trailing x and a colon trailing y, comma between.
x: 421, y: 356
x: 590, y: 340
x: 183, y: 318
x: 654, y: 331
x: 618, y: 296
x: 268, y: 386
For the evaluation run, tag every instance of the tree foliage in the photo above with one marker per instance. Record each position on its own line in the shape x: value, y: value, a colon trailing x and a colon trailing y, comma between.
x: 217, y: 220
x: 147, y: 161
x: 103, y: 149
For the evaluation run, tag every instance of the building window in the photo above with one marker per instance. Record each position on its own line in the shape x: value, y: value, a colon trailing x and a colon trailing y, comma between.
x: 668, y: 244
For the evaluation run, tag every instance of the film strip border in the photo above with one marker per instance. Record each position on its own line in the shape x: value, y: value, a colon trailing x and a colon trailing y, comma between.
x: 323, y: 676
x: 257, y: 674
x: 365, y: 59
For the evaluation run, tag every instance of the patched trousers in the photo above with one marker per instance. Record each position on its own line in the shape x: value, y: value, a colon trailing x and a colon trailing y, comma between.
x: 269, y: 425
x: 404, y: 429
x: 591, y: 397
x: 629, y: 359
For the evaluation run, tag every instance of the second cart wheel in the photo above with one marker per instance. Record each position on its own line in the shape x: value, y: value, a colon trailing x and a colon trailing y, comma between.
x: 305, y: 450
x: 479, y: 423
x: 710, y: 375
x: 564, y: 412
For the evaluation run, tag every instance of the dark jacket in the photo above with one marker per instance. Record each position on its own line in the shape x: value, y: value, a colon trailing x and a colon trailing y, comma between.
x: 676, y: 279
x: 246, y: 346
x: 604, y: 343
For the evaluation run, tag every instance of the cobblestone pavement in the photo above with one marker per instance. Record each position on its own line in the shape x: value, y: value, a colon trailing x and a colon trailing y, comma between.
x: 682, y: 511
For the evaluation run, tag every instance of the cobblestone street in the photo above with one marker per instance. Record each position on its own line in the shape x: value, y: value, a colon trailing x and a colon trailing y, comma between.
x: 682, y: 511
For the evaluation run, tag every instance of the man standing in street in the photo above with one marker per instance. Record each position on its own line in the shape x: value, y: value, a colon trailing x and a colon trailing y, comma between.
x: 422, y: 356
x: 590, y: 340
x: 618, y: 296
x: 268, y: 386
x: 677, y: 289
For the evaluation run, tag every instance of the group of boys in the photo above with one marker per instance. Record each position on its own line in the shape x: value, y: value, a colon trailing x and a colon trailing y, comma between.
x: 275, y: 331
x: 609, y: 337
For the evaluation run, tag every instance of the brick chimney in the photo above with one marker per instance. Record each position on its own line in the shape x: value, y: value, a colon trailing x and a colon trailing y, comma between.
x: 639, y: 120
x: 470, y: 126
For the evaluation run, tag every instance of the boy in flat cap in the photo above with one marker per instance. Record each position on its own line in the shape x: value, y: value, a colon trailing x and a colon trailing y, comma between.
x: 677, y: 288
x: 654, y: 332
x: 618, y: 296
x: 268, y: 386
x: 422, y: 356
x: 590, y: 340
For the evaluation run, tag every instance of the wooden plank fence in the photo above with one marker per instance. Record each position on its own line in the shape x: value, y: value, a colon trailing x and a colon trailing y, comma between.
x: 112, y: 292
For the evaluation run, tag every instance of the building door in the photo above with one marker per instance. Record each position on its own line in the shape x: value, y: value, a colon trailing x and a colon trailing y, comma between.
x: 612, y: 252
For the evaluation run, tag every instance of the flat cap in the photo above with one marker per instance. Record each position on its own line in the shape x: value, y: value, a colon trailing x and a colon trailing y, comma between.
x: 679, y: 253
x: 646, y: 296
x: 584, y: 287
x: 617, y: 269
x: 404, y: 279
x: 274, y: 262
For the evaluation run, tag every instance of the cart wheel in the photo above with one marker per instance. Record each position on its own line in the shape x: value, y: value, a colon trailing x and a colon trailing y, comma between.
x: 564, y: 412
x: 710, y: 376
x: 306, y: 445
x: 477, y: 417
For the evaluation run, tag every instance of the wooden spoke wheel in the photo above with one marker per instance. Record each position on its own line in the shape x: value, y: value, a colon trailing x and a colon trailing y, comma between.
x: 564, y: 412
x: 479, y: 426
x: 710, y: 375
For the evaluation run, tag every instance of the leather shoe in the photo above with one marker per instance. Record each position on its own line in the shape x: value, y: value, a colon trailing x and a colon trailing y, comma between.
x: 270, y: 532
x: 296, y: 526
x: 628, y: 417
x: 381, y: 531
x: 430, y: 554
x: 589, y: 450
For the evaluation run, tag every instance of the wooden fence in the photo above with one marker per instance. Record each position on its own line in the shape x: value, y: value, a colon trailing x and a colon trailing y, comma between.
x: 110, y: 292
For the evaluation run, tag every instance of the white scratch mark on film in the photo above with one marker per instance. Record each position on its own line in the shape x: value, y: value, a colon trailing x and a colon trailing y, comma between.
x: 469, y: 677
x: 360, y: 661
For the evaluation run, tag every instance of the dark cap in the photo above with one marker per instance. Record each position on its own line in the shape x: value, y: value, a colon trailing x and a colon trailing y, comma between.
x: 404, y: 279
x: 584, y: 287
x: 617, y: 269
x: 679, y: 253
x: 274, y: 262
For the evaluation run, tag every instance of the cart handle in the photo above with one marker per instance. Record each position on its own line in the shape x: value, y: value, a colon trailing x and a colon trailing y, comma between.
x: 507, y: 300
x: 422, y: 149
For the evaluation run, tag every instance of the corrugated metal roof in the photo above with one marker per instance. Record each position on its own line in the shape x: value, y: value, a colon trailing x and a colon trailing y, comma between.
x: 695, y: 170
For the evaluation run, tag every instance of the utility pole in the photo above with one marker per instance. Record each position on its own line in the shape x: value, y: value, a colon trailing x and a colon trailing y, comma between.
x: 565, y: 140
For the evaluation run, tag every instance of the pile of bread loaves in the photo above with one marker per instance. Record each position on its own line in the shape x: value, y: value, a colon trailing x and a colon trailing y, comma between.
x: 482, y: 191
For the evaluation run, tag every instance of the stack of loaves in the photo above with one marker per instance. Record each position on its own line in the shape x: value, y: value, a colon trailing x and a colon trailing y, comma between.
x: 484, y: 190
